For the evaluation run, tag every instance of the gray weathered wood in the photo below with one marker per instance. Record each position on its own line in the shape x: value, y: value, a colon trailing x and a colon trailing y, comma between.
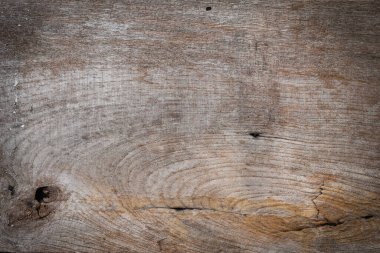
x: 148, y: 126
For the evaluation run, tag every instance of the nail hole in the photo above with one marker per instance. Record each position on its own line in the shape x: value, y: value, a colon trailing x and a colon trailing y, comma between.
x: 255, y: 134
x: 41, y: 193
x: 208, y: 8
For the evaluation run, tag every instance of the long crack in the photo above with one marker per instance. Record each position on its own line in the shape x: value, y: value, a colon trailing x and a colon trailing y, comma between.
x: 327, y: 224
x: 316, y: 222
x: 324, y: 222
x: 183, y: 209
x: 313, y: 200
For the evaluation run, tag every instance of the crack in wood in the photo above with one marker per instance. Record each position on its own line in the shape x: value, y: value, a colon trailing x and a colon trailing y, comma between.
x: 255, y: 134
x: 184, y: 209
x: 328, y: 224
x: 313, y: 200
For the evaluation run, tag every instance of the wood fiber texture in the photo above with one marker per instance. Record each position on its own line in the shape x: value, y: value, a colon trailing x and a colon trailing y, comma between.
x: 160, y: 126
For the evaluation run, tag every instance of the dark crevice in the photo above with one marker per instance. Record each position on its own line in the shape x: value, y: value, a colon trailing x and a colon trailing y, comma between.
x: 184, y: 209
x: 313, y: 200
x: 330, y: 224
x: 255, y: 134
x: 11, y: 189
x: 41, y: 193
x: 179, y: 209
x: 369, y: 216
x: 327, y: 223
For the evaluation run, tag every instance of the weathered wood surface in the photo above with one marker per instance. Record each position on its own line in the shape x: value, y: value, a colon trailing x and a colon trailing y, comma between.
x: 159, y: 126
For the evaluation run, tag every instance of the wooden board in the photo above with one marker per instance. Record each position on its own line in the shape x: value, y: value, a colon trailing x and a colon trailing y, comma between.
x: 167, y: 126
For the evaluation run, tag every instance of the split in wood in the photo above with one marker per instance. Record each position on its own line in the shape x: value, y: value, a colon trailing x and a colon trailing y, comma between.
x: 255, y: 134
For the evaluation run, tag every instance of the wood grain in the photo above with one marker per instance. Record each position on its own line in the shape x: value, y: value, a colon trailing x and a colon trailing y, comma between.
x: 160, y: 126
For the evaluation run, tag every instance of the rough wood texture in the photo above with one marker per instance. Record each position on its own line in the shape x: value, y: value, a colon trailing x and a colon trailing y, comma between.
x: 148, y: 126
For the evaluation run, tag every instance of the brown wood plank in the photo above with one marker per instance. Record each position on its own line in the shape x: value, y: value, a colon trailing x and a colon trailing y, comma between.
x: 167, y: 126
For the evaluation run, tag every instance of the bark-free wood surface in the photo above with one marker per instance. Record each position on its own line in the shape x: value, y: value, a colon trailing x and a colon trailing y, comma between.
x: 160, y: 126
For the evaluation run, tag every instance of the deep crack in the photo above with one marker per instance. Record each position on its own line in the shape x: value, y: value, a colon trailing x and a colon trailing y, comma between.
x: 183, y: 209
x: 313, y: 200
x: 328, y: 224
x: 366, y: 217
x: 180, y: 209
